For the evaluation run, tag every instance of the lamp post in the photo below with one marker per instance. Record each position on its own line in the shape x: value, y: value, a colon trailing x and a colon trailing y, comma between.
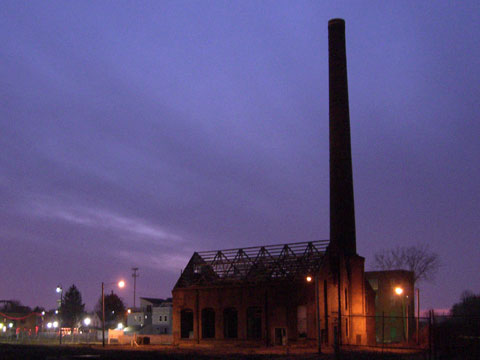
x: 86, y: 322
x: 317, y: 312
x: 59, y: 290
x: 418, y: 316
x: 400, y: 292
x: 120, y: 284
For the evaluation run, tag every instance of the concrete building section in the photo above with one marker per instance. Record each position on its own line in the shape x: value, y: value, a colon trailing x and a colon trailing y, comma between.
x: 394, y: 305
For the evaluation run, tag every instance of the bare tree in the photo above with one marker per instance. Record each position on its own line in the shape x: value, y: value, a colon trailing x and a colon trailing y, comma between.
x: 419, y: 259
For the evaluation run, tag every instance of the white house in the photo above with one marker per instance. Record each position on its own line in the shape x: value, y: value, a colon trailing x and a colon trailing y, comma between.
x: 153, y: 317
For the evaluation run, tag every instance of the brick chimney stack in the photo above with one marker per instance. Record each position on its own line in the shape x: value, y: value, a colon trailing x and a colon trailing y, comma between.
x: 342, y: 209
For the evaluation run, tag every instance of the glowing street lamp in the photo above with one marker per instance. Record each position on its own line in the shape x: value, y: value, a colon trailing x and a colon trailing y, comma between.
x: 59, y: 290
x: 120, y: 284
x: 317, y: 312
x: 87, y: 321
x: 399, y: 291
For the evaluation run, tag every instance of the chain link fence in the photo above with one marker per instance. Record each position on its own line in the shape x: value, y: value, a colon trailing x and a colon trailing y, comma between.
x: 431, y: 337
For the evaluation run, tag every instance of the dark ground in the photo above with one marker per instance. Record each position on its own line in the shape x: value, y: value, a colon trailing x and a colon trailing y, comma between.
x: 50, y: 352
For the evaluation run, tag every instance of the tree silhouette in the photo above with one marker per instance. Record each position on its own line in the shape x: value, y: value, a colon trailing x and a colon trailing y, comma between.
x: 114, y: 309
x: 468, y: 307
x: 72, y: 308
x: 418, y: 259
x: 14, y: 306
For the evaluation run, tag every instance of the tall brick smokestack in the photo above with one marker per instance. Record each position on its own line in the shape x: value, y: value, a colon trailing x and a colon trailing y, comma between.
x: 342, y: 211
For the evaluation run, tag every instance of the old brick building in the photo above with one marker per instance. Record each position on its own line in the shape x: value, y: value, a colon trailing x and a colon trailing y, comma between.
x: 268, y: 295
x: 262, y: 294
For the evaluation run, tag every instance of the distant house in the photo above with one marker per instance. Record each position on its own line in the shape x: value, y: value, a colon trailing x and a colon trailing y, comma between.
x: 153, y: 317
x: 95, y: 321
x: 135, y: 318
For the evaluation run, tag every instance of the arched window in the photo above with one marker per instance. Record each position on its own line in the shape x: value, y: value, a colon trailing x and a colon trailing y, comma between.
x: 186, y: 324
x: 230, y: 323
x: 208, y: 323
x: 254, y: 322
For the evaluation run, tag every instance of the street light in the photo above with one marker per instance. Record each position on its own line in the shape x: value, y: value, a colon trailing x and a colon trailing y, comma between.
x: 87, y: 321
x: 120, y: 284
x: 399, y: 291
x: 59, y: 290
x: 418, y: 316
x: 317, y: 312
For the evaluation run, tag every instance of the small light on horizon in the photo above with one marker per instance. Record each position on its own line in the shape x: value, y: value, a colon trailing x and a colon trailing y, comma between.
x: 87, y: 321
x: 55, y: 324
x: 121, y: 284
x: 309, y: 278
x: 398, y: 290
x: 120, y: 326
x: 49, y: 325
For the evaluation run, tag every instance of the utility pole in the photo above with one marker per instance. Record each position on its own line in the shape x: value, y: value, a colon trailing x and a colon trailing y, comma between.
x: 135, y: 275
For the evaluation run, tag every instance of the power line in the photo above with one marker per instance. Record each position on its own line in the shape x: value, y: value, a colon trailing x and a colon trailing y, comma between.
x: 135, y: 275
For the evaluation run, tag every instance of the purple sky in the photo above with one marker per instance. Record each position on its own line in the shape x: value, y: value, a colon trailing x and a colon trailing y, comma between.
x: 134, y: 133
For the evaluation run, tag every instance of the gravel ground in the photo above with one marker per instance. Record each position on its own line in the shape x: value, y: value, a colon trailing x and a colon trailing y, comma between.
x: 49, y: 352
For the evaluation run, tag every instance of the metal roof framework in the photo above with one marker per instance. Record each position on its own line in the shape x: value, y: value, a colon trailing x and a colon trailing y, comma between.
x: 254, y: 264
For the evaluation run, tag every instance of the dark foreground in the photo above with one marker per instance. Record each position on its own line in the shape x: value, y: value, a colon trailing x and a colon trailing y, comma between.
x: 49, y: 352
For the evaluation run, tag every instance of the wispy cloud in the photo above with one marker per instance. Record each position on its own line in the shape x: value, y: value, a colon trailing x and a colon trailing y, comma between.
x: 166, y: 261
x: 105, y: 219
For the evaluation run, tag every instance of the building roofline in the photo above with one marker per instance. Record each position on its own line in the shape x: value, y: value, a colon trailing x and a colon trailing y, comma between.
x: 253, y: 264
